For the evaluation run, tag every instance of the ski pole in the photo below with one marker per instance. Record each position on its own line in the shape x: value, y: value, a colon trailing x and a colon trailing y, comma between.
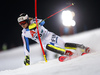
x: 38, y: 31
x: 58, y: 12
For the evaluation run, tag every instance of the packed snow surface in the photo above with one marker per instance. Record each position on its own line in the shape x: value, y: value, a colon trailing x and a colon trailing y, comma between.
x: 11, y: 61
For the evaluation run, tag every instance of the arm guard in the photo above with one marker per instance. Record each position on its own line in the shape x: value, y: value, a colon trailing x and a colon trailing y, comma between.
x: 26, y: 45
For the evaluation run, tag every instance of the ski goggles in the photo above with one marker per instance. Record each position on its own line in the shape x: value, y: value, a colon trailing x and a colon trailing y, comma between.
x: 22, y: 22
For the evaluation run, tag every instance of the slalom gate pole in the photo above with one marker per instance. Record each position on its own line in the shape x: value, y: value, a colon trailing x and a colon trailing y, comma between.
x: 58, y: 12
x: 38, y: 31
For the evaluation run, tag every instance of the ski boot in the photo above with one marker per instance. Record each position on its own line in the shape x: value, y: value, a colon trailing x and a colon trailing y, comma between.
x: 27, y: 60
x: 68, y: 53
x: 66, y: 56
x: 87, y: 50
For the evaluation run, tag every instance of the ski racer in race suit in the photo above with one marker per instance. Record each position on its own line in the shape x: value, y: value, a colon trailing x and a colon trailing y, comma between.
x: 49, y: 40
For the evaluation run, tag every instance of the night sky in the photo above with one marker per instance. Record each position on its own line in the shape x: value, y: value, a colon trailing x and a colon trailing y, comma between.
x: 86, y: 15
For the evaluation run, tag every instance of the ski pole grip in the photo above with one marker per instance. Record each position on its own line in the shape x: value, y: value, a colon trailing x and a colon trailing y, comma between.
x: 42, y: 21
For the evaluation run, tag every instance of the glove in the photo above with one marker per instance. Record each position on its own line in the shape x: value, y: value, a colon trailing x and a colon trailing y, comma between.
x: 27, y: 60
x: 42, y: 23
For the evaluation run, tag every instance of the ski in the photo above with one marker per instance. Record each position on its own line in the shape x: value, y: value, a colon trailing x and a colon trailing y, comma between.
x: 65, y: 58
x: 76, y: 54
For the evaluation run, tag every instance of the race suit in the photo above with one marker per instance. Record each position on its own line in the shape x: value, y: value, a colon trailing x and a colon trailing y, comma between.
x: 47, y: 38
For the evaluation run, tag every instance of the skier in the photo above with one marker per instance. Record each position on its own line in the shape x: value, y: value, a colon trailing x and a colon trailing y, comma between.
x: 49, y: 40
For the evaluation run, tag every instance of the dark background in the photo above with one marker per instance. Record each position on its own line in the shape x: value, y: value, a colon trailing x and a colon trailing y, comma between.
x: 86, y: 17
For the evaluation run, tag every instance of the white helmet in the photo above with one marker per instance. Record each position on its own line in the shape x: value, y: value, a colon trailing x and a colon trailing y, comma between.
x: 23, y: 17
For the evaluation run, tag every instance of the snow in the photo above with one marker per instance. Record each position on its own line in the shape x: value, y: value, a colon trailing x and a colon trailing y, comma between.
x: 11, y: 61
